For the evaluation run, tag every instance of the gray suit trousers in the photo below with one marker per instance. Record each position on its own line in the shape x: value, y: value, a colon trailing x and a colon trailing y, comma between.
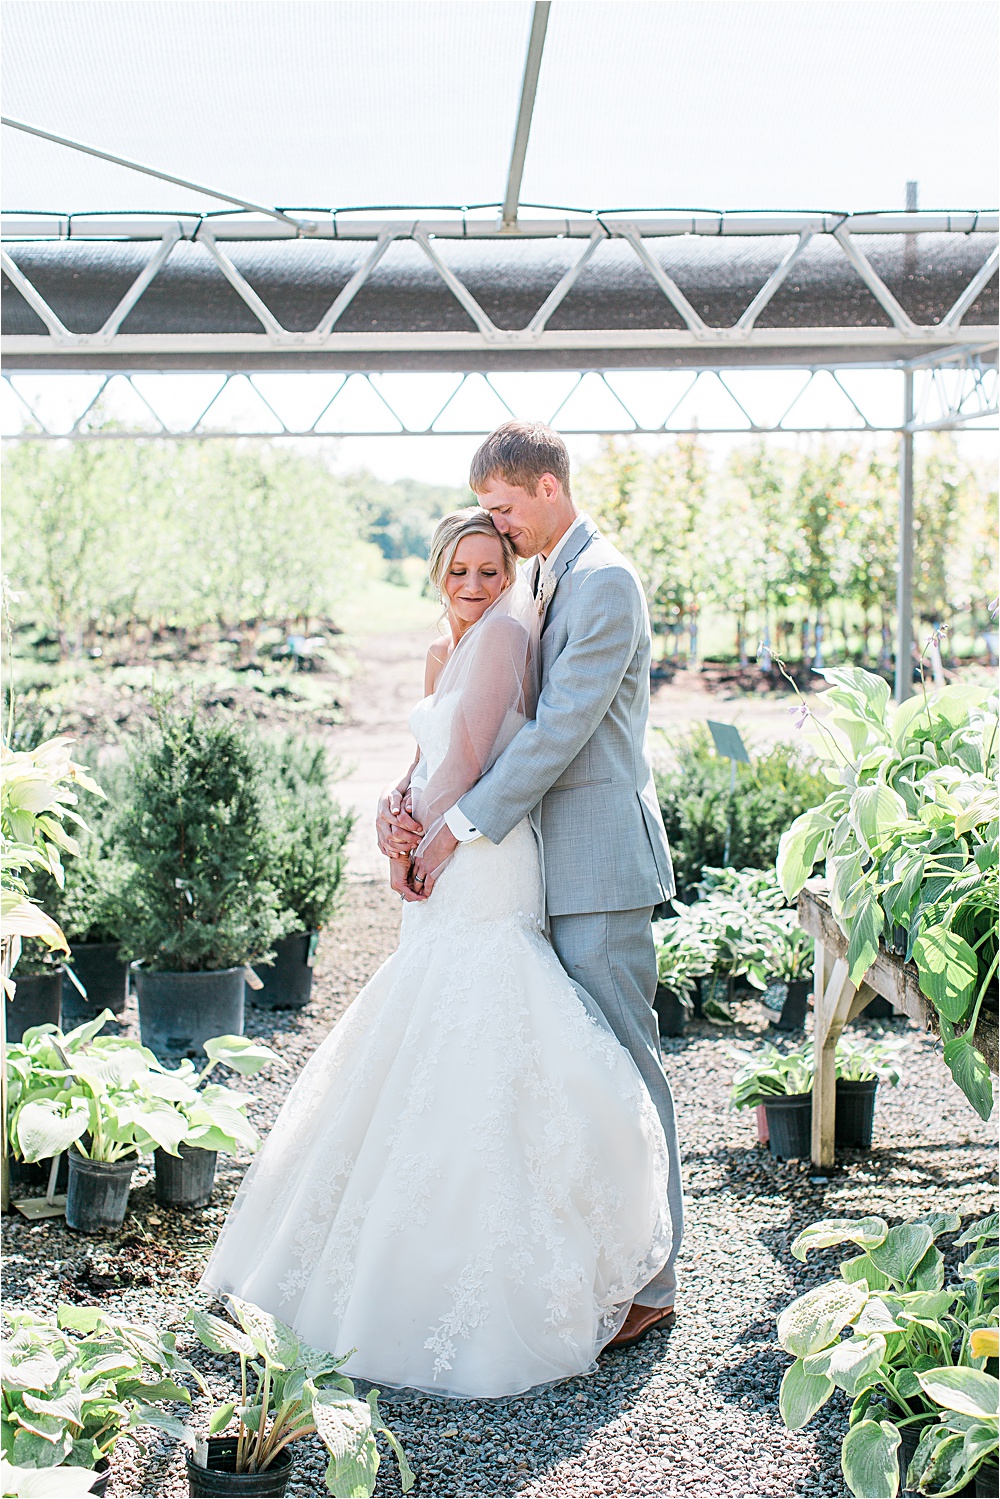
x: 611, y: 957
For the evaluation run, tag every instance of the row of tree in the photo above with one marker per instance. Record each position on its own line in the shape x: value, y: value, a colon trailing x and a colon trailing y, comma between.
x: 114, y: 542
x: 794, y: 545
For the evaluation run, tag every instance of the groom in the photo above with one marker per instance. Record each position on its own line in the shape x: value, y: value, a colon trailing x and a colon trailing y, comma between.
x: 581, y: 769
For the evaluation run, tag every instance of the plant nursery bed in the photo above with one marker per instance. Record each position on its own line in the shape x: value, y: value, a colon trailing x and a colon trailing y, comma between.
x: 689, y: 1411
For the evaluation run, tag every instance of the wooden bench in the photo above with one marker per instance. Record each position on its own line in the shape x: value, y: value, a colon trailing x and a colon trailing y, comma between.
x: 836, y: 1001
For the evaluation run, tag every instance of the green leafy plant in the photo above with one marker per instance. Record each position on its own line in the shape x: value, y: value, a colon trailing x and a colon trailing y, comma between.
x: 909, y: 835
x: 765, y: 1073
x: 109, y: 1097
x: 195, y: 827
x: 770, y: 1073
x: 911, y: 1348
x: 37, y: 800
x: 296, y: 1390
x: 789, y: 951
x: 858, y: 1058
x: 698, y: 804
x: 309, y: 833
x: 73, y: 1385
x: 683, y: 954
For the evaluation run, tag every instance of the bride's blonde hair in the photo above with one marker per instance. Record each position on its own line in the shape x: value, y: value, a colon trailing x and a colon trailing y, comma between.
x: 452, y: 529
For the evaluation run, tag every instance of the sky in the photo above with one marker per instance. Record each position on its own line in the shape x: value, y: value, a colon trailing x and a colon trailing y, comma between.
x: 823, y: 104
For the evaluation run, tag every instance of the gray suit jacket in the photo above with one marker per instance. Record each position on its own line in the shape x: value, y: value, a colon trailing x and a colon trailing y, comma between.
x: 581, y: 767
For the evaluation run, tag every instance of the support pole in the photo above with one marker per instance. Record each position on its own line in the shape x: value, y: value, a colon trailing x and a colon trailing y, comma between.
x: 529, y: 84
x: 904, y: 579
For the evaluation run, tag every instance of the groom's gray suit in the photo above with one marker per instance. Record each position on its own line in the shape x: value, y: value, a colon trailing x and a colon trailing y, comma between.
x: 581, y: 770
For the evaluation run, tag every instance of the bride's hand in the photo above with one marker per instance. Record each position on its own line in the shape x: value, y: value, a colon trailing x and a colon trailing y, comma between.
x: 398, y: 871
x: 427, y: 866
x: 398, y: 832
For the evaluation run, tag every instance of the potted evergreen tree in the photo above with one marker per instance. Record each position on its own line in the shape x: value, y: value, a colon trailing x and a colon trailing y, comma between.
x: 198, y: 904
x: 309, y: 832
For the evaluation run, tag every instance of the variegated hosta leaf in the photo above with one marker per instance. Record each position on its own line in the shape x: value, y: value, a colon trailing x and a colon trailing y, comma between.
x: 219, y: 1336
x: 272, y: 1338
x: 865, y: 1232
x: 44, y: 1128
x: 65, y: 1407
x: 849, y: 1363
x: 802, y: 1395
x: 814, y: 1320
x: 38, y: 1370
x: 868, y: 1460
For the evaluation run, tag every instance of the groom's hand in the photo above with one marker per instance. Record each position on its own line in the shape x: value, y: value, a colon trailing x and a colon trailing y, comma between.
x: 398, y: 832
x: 426, y: 865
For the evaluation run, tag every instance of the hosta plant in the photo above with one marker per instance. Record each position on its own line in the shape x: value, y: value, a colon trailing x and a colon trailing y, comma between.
x: 289, y: 1390
x: 909, y: 838
x: 769, y: 1072
x: 911, y: 1346
x: 72, y: 1385
x: 109, y: 1097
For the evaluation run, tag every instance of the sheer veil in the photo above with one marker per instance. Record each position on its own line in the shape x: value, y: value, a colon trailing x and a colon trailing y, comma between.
x: 488, y: 687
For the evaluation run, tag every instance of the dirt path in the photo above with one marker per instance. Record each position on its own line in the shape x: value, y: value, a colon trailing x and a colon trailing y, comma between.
x: 375, y: 744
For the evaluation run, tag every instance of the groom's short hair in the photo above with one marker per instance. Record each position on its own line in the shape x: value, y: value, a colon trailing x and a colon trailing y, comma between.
x: 520, y: 453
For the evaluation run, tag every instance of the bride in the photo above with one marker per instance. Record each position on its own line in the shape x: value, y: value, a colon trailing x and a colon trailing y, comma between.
x: 468, y: 1182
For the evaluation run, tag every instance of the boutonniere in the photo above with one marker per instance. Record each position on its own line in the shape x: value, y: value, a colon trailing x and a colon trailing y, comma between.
x: 545, y: 593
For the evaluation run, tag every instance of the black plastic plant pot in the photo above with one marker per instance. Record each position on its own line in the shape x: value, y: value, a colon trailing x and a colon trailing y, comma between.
x: 879, y: 1008
x: 31, y: 1178
x: 100, y: 1483
x: 789, y: 1124
x: 909, y: 1440
x: 179, y: 1012
x: 97, y: 1193
x: 793, y: 1011
x: 670, y: 1012
x: 221, y: 1478
x: 104, y: 976
x: 37, y: 1001
x: 185, y: 1181
x: 288, y: 980
x: 855, y: 1115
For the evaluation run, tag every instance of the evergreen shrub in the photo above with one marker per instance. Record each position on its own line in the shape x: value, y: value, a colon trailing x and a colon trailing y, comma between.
x: 696, y: 802
x: 309, y: 832
x: 196, y: 826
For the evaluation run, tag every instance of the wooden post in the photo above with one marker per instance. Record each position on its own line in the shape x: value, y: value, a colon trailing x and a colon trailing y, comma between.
x: 839, y: 1003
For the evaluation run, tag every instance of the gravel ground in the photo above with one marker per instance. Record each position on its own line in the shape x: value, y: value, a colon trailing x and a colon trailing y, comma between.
x: 690, y: 1411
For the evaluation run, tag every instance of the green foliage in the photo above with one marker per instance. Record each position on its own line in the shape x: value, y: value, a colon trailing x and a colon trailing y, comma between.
x: 196, y: 828
x: 770, y: 1073
x: 698, y: 805
x: 810, y: 533
x: 109, y: 1096
x: 909, y: 835
x: 105, y: 541
x: 765, y: 1073
x: 309, y: 832
x: 914, y: 1354
x: 73, y: 1385
x: 297, y: 1390
x: 88, y: 905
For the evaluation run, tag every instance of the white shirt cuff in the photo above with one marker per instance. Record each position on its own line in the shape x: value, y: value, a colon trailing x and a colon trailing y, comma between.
x: 460, y: 825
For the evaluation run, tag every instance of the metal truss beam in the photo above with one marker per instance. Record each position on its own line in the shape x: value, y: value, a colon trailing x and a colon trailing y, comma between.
x: 848, y: 334
x: 961, y: 393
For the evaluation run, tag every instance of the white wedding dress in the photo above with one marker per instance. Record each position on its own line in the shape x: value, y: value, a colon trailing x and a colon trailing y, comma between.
x: 468, y: 1182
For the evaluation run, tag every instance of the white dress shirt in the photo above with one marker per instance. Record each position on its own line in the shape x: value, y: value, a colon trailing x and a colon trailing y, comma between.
x: 455, y: 818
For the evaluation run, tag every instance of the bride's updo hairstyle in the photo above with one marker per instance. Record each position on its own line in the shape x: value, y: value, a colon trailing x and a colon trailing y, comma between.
x: 452, y: 529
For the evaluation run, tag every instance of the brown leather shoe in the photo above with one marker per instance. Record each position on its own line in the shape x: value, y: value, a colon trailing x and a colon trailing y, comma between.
x: 640, y: 1321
